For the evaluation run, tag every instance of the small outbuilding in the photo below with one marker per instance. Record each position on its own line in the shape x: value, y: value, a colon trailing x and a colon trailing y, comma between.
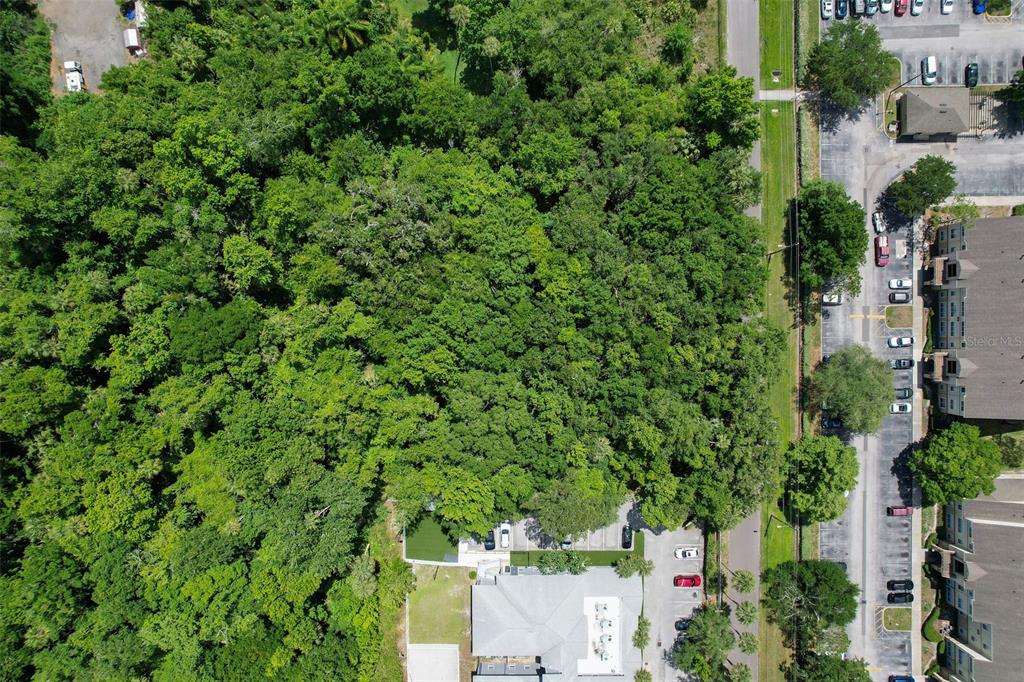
x: 934, y: 112
x: 131, y: 40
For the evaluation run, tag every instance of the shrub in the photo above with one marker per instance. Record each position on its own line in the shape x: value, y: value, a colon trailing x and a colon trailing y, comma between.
x: 1018, y: 209
x: 928, y: 629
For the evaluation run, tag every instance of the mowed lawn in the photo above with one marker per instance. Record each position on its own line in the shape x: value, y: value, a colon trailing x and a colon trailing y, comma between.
x: 778, y: 165
x: 777, y: 21
x: 428, y: 542
x: 439, y: 606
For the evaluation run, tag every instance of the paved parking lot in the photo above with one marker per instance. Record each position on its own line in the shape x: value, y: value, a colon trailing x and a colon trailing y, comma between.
x: 663, y: 603
x: 527, y: 535
x: 956, y: 40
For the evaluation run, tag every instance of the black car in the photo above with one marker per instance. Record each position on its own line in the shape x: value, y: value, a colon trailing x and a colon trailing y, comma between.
x: 899, y: 297
x: 489, y: 541
x: 904, y: 393
x: 627, y: 537
x: 902, y: 363
x: 971, y: 75
x: 683, y: 624
x: 900, y: 598
x: 900, y: 585
x: 832, y: 423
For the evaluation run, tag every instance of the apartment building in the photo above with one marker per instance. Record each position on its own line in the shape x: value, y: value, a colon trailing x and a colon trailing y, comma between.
x: 978, y: 319
x: 984, y: 585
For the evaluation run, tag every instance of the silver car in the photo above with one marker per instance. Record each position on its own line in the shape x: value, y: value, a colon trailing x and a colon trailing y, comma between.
x: 900, y: 408
x: 916, y: 7
x: 900, y: 341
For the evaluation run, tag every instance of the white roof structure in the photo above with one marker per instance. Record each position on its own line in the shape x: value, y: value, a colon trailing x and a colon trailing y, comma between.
x: 579, y: 626
x: 433, y: 663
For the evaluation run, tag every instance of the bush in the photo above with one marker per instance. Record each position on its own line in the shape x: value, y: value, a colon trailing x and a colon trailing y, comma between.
x: 1018, y: 209
x: 472, y: 575
x: 928, y: 629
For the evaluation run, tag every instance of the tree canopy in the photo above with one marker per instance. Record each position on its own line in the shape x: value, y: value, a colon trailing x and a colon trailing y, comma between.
x: 956, y: 464
x: 706, y: 646
x: 847, y: 64
x: 812, y: 667
x: 930, y: 180
x: 294, y: 280
x: 833, y: 238
x: 822, y: 470
x: 804, y: 598
x: 855, y: 385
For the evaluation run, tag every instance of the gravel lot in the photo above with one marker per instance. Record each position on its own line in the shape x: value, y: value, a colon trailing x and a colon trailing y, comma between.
x: 86, y: 31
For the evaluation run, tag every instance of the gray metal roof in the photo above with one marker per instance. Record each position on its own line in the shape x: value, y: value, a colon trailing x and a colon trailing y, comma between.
x: 997, y: 576
x: 992, y: 274
x: 543, y: 615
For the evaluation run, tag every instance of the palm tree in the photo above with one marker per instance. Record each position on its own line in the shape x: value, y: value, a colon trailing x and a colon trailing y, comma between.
x: 491, y: 48
x: 746, y: 613
x: 459, y: 14
x: 338, y: 25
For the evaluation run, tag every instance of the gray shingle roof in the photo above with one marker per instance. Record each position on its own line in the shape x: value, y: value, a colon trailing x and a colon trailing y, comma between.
x: 934, y: 111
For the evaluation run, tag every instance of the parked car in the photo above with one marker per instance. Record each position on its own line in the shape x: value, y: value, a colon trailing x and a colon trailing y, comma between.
x: 566, y: 543
x: 505, y: 534
x: 881, y: 250
x: 683, y: 624
x: 901, y: 283
x: 904, y: 393
x: 901, y: 598
x: 832, y: 298
x: 842, y: 9
x: 979, y: 6
x: 916, y: 7
x: 878, y: 221
x: 627, y: 537
x: 900, y: 341
x: 901, y: 7
x: 900, y: 678
x: 832, y: 423
x: 870, y: 7
x: 900, y: 408
x: 885, y: 5
x: 946, y: 7
x: 826, y: 9
x: 489, y: 540
x: 858, y: 7
x: 900, y: 585
x: 900, y: 511
x: 899, y: 297
x: 902, y: 363
x: 686, y: 552
x: 73, y: 79
x: 929, y: 66
x: 971, y: 75
x: 686, y: 581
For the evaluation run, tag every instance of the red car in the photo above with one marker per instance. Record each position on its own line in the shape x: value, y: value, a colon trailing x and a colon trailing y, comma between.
x: 901, y: 7
x: 900, y: 511
x: 881, y: 250
x: 686, y: 581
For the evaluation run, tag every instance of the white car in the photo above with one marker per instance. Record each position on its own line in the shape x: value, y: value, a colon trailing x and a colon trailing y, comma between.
x: 916, y: 7
x: 686, y: 552
x: 929, y: 70
x: 901, y: 283
x: 900, y: 341
x: 946, y: 7
x: 885, y: 5
x: 826, y: 9
x: 900, y: 408
x: 878, y: 221
x: 505, y: 535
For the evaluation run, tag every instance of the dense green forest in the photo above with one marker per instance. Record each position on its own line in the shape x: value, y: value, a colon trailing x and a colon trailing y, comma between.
x: 315, y: 265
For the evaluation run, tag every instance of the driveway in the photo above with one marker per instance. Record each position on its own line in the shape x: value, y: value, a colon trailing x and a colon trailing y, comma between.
x: 86, y: 31
x: 663, y: 603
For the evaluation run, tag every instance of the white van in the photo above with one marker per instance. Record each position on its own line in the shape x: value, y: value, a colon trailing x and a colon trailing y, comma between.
x: 929, y: 70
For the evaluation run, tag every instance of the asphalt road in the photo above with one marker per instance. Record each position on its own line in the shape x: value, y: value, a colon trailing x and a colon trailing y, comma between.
x: 86, y: 31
